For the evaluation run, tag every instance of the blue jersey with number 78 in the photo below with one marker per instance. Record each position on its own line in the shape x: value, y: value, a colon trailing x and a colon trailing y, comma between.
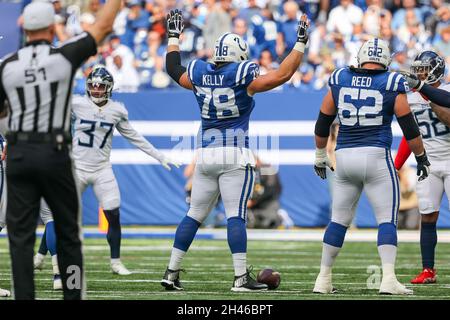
x: 365, y: 101
x: 225, y: 105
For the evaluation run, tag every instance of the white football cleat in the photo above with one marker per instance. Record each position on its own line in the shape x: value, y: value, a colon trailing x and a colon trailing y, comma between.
x: 39, y: 261
x: 57, y: 282
x: 119, y: 268
x: 392, y: 286
x: 5, y: 293
x: 323, y: 285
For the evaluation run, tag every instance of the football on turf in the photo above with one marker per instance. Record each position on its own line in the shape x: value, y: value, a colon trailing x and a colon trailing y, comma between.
x: 270, y: 277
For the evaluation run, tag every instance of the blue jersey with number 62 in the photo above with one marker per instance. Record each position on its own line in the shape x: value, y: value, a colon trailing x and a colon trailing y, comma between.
x: 365, y: 105
x: 225, y: 106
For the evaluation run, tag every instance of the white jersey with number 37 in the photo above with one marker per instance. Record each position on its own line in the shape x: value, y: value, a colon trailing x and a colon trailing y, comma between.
x: 435, y: 134
x: 93, y: 129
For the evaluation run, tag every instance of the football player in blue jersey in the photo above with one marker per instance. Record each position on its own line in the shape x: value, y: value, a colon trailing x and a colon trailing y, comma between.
x: 366, y: 99
x: 225, y: 165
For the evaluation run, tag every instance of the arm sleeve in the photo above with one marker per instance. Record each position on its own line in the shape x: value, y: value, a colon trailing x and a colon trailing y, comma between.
x: 2, y: 91
x: 402, y: 155
x: 126, y: 130
x: 78, y: 49
x: 173, y: 66
x: 436, y: 95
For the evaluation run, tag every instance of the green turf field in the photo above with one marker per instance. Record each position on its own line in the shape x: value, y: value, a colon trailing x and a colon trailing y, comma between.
x: 209, y: 270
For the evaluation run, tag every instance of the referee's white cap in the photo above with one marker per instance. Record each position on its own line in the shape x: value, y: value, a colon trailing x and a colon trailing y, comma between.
x: 38, y: 15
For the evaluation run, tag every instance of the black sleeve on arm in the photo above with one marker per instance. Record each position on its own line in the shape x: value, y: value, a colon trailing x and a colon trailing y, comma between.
x: 173, y: 66
x: 2, y: 92
x: 78, y: 49
x: 436, y: 95
x: 409, y: 126
x: 323, y: 124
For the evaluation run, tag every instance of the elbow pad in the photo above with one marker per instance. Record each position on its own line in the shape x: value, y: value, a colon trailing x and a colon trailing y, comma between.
x: 409, y: 126
x: 323, y: 124
x: 173, y: 66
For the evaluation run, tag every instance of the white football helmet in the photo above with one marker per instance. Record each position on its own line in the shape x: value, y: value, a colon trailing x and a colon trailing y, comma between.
x: 230, y: 47
x: 376, y: 51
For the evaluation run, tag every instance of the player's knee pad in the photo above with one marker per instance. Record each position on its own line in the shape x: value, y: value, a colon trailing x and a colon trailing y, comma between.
x: 387, y: 234
x: 197, y: 214
x: 335, y: 234
x: 110, y: 204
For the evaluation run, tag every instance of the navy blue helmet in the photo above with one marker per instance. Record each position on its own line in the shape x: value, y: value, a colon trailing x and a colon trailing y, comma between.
x: 99, y: 85
x: 430, y: 65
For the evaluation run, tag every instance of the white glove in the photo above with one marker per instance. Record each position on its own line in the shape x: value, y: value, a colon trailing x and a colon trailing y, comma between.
x: 166, y: 162
x: 322, y: 162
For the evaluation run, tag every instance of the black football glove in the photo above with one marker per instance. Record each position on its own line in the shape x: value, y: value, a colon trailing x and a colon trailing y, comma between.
x: 302, y: 31
x: 413, y: 81
x: 175, y: 24
x: 423, y: 166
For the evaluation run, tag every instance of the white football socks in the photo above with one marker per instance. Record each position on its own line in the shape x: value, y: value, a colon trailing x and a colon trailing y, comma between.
x: 175, y: 259
x: 388, y: 254
x: 115, y: 260
x: 240, y: 263
x: 329, y: 254
x: 55, y: 264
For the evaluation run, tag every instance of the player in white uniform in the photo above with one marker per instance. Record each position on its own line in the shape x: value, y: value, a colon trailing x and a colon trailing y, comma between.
x: 433, y: 121
x: 95, y: 116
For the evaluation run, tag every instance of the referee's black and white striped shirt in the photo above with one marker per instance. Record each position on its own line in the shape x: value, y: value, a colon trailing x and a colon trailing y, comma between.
x: 37, y: 83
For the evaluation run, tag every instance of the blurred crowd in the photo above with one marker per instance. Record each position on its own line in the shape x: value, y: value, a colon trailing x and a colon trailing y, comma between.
x: 135, y: 52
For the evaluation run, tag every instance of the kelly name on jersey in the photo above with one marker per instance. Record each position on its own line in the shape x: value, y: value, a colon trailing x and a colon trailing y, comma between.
x: 225, y: 105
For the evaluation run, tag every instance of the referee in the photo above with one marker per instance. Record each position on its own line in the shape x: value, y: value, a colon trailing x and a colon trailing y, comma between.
x: 37, y: 83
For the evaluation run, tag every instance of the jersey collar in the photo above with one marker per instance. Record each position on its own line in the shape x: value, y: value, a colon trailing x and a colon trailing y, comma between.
x: 37, y: 42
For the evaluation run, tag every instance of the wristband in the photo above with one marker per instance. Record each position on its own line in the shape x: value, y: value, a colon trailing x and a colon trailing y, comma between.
x: 300, y: 47
x: 173, y: 42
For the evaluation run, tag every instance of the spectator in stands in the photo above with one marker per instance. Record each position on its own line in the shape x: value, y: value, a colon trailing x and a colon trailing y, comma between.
x: 307, y: 76
x: 316, y: 43
x: 251, y: 10
x: 408, y: 215
x: 443, y: 44
x: 374, y: 17
x: 94, y: 6
x: 158, y: 20
x: 160, y: 79
x: 287, y: 36
x: 192, y: 43
x: 355, y: 42
x: 400, y: 61
x: 413, y: 35
x: 218, y: 22
x: 266, y: 64
x: 343, y: 17
x: 339, y: 54
x: 266, y: 33
x: 137, y: 19
x: 264, y: 203
x: 120, y: 23
x: 399, y: 18
x: 240, y: 28
x: 115, y: 46
x: 126, y: 77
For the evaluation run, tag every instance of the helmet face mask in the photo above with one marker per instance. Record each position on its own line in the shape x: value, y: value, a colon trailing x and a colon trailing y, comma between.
x: 230, y: 47
x: 374, y: 51
x: 99, y: 85
x: 429, y: 67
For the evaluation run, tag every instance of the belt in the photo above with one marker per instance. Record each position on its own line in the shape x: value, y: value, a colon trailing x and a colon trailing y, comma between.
x: 39, y: 137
